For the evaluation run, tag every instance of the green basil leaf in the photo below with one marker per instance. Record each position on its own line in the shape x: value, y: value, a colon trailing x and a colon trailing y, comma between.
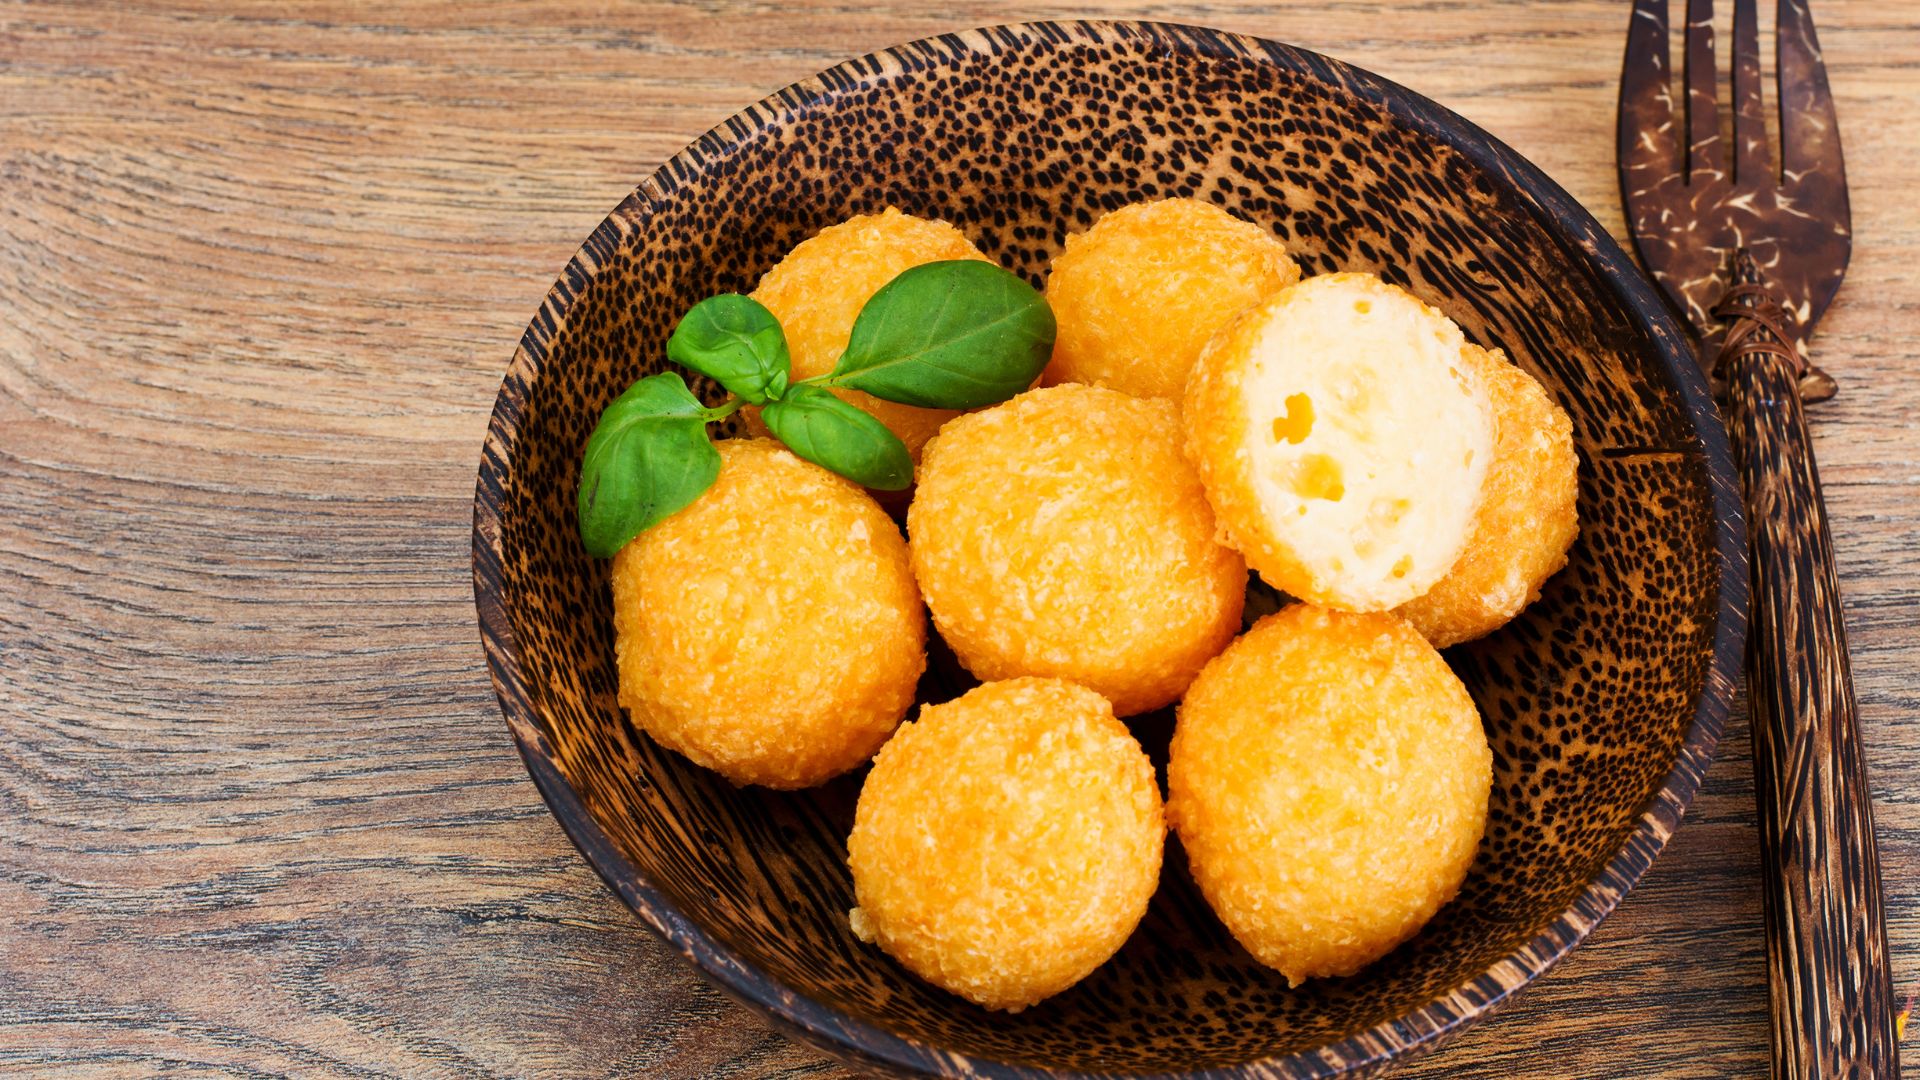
x: 736, y: 342
x: 949, y: 335
x: 833, y: 434
x: 648, y: 457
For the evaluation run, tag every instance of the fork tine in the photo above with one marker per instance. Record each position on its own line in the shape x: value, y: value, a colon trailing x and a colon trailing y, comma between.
x: 1647, y: 134
x: 1809, y: 127
x: 1703, y: 117
x: 1752, y: 164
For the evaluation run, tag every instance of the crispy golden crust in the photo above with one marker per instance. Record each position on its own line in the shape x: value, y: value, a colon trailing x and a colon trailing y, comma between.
x: 1137, y: 295
x: 1386, y: 409
x: 1214, y: 412
x: 1527, y: 522
x: 770, y: 631
x: 1007, y: 842
x: 1329, y: 781
x: 1064, y: 534
x: 819, y: 288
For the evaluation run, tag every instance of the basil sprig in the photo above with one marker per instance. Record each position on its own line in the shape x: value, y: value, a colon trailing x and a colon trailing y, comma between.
x: 842, y: 437
x: 945, y: 335
x: 922, y: 338
x: 736, y: 342
x: 648, y: 457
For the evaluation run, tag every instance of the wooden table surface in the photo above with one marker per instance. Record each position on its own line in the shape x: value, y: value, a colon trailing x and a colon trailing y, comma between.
x: 261, y: 268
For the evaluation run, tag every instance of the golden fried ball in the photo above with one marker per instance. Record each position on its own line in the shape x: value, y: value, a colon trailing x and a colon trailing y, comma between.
x: 770, y: 630
x: 819, y: 288
x: 1007, y: 842
x: 1526, y: 523
x: 1329, y: 781
x: 1063, y: 533
x: 1344, y: 439
x: 1137, y: 295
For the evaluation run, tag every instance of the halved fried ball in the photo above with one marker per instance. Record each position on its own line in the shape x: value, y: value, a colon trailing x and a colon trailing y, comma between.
x: 819, y: 288
x: 1344, y: 440
x: 1137, y: 295
x: 1329, y: 781
x: 1063, y: 533
x: 771, y: 630
x: 1007, y: 842
x: 1525, y: 525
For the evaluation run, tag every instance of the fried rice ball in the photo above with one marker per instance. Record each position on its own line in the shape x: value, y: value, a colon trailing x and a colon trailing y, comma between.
x: 1007, y: 842
x: 771, y: 630
x: 1064, y: 534
x: 1137, y: 295
x: 1329, y: 781
x: 1344, y: 440
x: 819, y: 288
x: 1526, y: 523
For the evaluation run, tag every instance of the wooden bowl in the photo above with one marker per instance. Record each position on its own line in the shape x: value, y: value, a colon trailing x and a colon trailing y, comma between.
x: 1602, y: 702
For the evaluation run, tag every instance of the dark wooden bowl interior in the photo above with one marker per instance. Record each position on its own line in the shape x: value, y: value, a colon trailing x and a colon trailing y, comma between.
x: 1602, y: 702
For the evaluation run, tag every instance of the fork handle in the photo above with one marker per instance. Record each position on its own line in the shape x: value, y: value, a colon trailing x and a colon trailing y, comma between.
x: 1832, y: 991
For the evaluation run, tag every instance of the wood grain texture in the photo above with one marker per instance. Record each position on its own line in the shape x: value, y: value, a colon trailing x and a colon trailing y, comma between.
x: 261, y: 266
x: 1827, y: 970
x: 1691, y: 206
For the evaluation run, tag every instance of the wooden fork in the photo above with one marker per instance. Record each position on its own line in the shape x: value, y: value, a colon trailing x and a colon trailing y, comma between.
x: 1727, y: 236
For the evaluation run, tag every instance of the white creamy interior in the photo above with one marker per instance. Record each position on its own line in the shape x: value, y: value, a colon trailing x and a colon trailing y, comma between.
x: 1369, y: 441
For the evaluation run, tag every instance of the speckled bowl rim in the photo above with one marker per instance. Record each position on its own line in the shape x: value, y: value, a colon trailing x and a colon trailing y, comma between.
x: 1413, y: 1033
